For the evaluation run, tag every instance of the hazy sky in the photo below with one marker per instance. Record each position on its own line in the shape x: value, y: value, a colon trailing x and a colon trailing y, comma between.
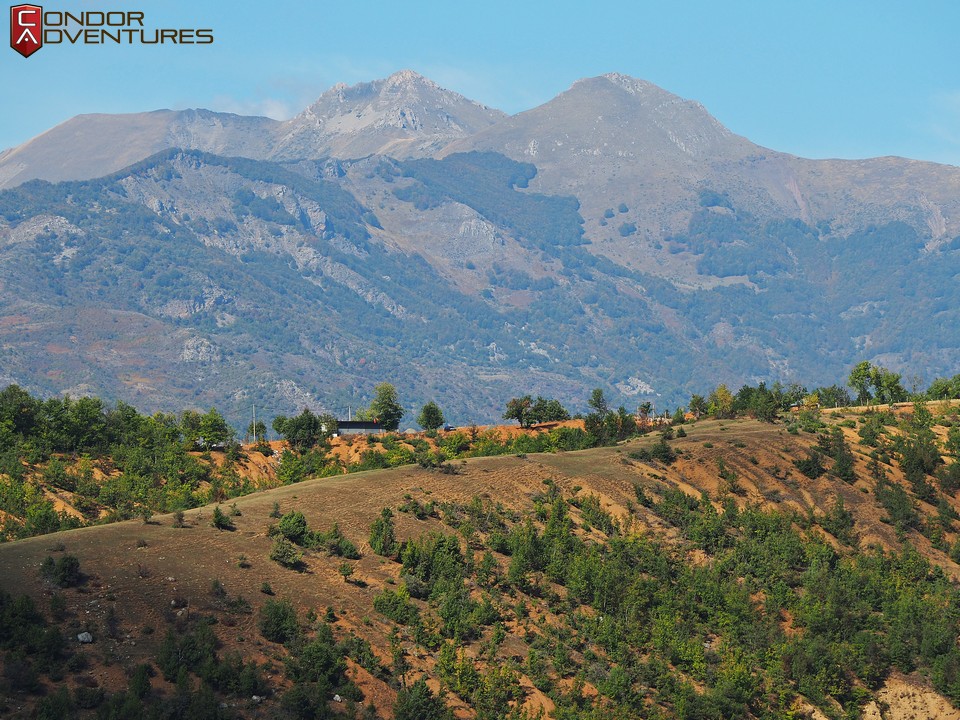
x: 818, y: 79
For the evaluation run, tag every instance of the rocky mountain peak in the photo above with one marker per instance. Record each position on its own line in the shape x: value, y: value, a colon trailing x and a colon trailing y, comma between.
x: 615, y: 124
x: 409, y: 78
x: 401, y: 83
x: 404, y: 114
x: 648, y: 103
x: 636, y: 86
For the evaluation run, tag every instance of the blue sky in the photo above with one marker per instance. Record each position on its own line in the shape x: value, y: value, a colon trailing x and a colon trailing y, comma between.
x: 818, y: 79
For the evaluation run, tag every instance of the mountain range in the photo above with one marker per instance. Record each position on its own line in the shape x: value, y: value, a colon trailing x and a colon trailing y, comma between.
x: 617, y: 236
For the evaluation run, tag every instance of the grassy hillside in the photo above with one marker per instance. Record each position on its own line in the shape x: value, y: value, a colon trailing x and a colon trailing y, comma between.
x: 707, y: 575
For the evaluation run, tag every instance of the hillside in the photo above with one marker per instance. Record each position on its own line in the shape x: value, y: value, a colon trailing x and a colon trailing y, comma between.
x: 279, y: 290
x: 615, y: 139
x: 722, y: 577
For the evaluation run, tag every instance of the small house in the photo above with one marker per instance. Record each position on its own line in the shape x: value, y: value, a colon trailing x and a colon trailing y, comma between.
x: 359, y: 427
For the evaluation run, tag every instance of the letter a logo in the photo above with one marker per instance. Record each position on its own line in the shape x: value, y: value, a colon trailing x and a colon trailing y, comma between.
x: 26, y: 29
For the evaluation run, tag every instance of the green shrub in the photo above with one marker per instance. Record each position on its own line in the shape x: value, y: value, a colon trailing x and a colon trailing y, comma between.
x: 338, y: 545
x: 839, y: 522
x: 293, y: 526
x: 811, y: 466
x: 87, y: 698
x: 286, y: 553
x: 57, y: 706
x: 221, y: 521
x: 898, y: 504
x: 382, y: 538
x: 417, y: 702
x: 64, y: 572
x: 278, y: 621
x: 663, y: 452
x: 139, y: 684
x: 949, y: 477
x: 396, y: 605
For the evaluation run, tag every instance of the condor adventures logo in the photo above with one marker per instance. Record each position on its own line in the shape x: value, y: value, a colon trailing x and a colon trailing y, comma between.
x: 26, y: 29
x: 31, y: 28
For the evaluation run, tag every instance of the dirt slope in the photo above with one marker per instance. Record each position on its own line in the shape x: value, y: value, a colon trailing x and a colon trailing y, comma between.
x: 137, y: 572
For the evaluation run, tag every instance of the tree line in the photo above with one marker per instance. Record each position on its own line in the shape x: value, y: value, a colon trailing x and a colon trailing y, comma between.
x: 151, y: 464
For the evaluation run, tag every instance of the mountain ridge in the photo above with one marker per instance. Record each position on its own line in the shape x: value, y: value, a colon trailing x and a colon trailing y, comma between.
x: 112, y: 142
x: 404, y: 114
x: 617, y: 236
x: 406, y: 83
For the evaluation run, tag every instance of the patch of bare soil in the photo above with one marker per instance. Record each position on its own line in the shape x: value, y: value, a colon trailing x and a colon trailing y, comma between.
x: 904, y: 697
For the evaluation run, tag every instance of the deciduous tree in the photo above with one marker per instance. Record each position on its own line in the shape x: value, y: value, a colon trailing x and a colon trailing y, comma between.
x: 698, y: 405
x: 519, y: 409
x: 214, y: 429
x: 859, y: 380
x: 385, y: 408
x: 720, y: 402
x: 430, y: 417
x: 544, y: 410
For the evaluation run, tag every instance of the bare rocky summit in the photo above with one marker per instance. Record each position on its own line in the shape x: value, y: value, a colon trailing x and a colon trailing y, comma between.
x: 404, y: 115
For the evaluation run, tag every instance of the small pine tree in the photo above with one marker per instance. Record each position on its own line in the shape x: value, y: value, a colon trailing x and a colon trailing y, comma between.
x: 278, y: 621
x: 286, y: 553
x: 811, y: 466
x: 293, y: 526
x: 382, y: 538
x: 220, y: 520
x: 64, y: 572
x: 140, y: 681
x: 418, y: 703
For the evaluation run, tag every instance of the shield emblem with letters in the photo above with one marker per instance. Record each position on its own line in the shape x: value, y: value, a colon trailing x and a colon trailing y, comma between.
x: 26, y: 29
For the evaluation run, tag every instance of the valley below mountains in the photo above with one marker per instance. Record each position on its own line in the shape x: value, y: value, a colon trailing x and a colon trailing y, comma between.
x: 617, y: 236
